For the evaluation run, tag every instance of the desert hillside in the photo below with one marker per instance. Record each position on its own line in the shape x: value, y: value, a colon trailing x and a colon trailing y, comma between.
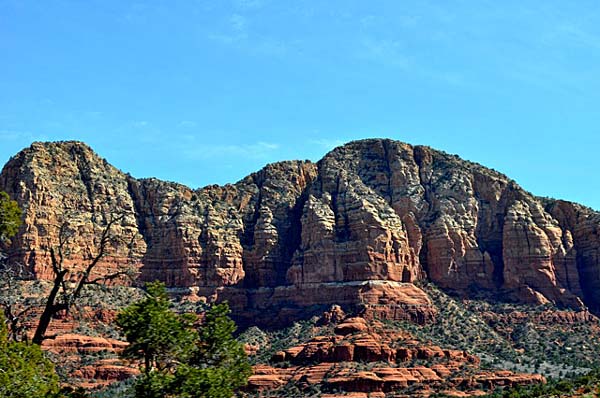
x: 372, y: 215
x: 383, y: 268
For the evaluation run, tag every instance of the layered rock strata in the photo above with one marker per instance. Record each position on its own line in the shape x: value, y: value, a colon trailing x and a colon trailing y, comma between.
x: 370, y: 214
x: 367, y: 357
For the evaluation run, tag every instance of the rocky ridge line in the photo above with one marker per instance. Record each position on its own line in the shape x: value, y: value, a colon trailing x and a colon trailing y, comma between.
x: 358, y: 228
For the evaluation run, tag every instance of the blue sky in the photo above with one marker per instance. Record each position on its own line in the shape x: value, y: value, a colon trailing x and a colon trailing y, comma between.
x: 204, y: 92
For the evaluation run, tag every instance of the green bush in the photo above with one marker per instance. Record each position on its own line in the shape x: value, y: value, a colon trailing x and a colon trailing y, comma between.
x: 10, y: 216
x: 181, y: 358
x: 25, y: 371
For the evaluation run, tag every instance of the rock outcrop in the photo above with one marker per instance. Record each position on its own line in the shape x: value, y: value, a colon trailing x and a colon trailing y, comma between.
x: 369, y: 357
x: 358, y: 228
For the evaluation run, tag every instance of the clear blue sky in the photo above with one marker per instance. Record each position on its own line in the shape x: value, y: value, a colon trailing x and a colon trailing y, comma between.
x: 205, y: 92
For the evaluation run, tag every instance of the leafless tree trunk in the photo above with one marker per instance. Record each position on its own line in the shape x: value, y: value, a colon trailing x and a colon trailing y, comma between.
x: 64, y: 294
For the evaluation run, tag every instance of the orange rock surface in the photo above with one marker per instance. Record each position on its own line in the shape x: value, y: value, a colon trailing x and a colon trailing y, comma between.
x: 348, y: 230
x: 367, y: 357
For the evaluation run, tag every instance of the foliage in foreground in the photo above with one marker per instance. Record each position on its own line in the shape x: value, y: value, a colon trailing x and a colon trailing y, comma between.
x: 10, y: 216
x: 180, y: 358
x: 582, y: 386
x: 24, y: 370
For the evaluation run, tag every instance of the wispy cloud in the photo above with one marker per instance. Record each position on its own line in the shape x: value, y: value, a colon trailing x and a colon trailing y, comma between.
x: 383, y: 51
x: 391, y: 53
x: 237, y: 33
x: 250, y: 4
x: 236, y: 30
x: 93, y: 114
x: 187, y: 123
x: 238, y: 22
x: 578, y: 36
x: 554, y: 58
x: 140, y: 123
x: 269, y: 46
x: 258, y: 150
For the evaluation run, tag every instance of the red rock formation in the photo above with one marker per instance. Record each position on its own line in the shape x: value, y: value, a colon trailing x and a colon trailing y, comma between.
x: 68, y: 183
x: 337, y: 362
x: 581, y: 228
x: 543, y: 317
x: 358, y: 345
x: 105, y: 372
x: 81, y: 344
x: 381, y: 380
x: 372, y: 299
x: 297, y: 234
x: 334, y: 315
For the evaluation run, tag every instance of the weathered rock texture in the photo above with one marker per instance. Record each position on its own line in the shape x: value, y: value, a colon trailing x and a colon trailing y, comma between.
x: 356, y: 228
x: 394, y: 361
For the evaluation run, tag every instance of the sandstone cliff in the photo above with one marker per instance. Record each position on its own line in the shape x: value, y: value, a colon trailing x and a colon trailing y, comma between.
x: 356, y: 228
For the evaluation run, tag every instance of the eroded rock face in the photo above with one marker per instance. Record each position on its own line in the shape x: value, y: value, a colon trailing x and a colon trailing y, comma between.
x: 68, y: 185
x: 581, y: 231
x: 371, y: 210
x: 337, y: 361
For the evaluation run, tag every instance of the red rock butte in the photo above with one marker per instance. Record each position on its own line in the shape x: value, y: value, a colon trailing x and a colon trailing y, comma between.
x: 358, y: 228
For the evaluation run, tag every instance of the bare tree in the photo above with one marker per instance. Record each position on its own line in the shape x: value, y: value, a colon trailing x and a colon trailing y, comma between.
x: 16, y: 309
x: 68, y: 282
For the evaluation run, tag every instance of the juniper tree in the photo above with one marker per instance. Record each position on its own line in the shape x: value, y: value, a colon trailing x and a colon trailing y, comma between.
x: 24, y: 370
x: 183, y: 357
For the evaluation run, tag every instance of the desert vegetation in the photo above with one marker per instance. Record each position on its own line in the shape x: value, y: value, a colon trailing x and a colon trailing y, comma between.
x: 179, y: 354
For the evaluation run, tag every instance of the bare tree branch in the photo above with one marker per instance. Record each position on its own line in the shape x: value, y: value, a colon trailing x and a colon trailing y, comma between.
x: 69, y: 295
x: 15, y: 310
